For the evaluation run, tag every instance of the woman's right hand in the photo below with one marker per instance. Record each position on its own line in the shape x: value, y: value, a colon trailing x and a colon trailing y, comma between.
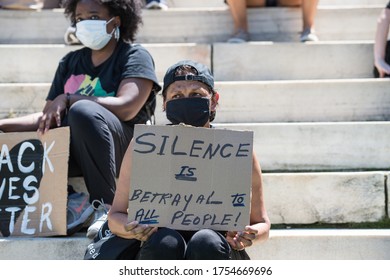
x: 52, y: 114
x: 141, y: 232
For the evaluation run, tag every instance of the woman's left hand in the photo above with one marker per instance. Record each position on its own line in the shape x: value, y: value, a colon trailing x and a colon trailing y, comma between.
x: 242, y: 239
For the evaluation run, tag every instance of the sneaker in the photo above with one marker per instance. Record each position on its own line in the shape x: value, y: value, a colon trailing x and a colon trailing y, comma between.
x: 100, y: 217
x: 156, y: 4
x: 240, y: 37
x: 104, y: 232
x: 308, y: 35
x: 79, y: 211
x: 70, y: 36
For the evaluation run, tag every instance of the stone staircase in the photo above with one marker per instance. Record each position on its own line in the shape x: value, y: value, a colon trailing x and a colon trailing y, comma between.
x: 321, y: 122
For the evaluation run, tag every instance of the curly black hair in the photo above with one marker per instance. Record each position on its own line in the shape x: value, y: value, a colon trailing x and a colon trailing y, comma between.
x: 129, y: 12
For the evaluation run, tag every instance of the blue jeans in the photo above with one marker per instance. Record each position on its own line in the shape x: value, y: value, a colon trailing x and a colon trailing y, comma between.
x: 205, y: 244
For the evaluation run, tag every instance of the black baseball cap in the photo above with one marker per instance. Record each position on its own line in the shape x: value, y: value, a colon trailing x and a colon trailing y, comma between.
x: 203, y: 74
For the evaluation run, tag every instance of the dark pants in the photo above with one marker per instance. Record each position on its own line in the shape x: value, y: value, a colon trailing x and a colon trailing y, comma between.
x: 98, y: 143
x: 205, y: 244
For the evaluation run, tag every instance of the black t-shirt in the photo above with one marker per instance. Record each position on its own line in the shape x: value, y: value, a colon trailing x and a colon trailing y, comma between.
x: 388, y: 5
x: 77, y: 75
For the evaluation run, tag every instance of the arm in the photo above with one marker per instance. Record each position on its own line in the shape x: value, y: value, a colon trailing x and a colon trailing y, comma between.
x: 50, y: 115
x: 19, y: 124
x: 117, y: 216
x: 380, y: 43
x: 260, y: 225
x: 131, y: 96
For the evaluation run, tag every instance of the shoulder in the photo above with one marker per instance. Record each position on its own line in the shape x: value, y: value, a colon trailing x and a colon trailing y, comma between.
x: 77, y: 52
x: 136, y: 58
x: 133, y: 49
x: 74, y: 56
x: 134, y: 54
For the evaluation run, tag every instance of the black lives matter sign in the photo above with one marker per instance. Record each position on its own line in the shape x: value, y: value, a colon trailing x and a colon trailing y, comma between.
x: 33, y: 183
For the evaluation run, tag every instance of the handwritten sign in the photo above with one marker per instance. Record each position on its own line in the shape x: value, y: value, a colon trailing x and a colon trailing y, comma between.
x: 191, y: 178
x: 33, y: 183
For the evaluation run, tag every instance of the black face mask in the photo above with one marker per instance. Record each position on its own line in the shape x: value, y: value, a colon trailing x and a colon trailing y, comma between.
x: 191, y: 111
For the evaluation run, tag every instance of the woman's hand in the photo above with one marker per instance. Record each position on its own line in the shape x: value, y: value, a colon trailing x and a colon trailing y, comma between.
x: 242, y: 239
x: 52, y: 114
x: 383, y: 68
x: 138, y: 231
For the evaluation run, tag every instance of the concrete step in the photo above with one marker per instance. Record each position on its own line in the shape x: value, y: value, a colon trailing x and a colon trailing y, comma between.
x: 300, y: 101
x: 38, y: 63
x: 22, y: 99
x: 326, y: 197
x: 292, y: 61
x: 265, y: 24
x: 278, y: 24
x: 297, y: 244
x: 332, y: 146
x: 319, y: 197
x: 334, y: 244
x: 250, y: 62
x: 270, y: 101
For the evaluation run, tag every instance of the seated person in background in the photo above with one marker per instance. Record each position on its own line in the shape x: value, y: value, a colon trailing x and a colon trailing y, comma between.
x: 381, y: 45
x: 100, y: 92
x: 238, y: 9
x: 192, y: 102
x: 156, y: 4
x: 36, y: 5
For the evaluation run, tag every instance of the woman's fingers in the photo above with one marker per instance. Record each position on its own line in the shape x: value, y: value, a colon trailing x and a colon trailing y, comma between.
x: 241, y: 240
x: 140, y: 232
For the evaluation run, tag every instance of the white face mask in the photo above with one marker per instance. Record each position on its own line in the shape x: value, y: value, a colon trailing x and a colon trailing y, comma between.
x: 93, y: 33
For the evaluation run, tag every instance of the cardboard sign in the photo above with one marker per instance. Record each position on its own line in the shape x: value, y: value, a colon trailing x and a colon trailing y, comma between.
x: 33, y: 183
x: 191, y: 178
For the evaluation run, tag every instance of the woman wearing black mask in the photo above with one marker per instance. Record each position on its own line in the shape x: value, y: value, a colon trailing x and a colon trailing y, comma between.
x: 189, y: 98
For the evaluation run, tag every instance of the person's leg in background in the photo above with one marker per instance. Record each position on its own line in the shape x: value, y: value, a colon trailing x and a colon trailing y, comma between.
x: 238, y: 10
x: 309, y: 11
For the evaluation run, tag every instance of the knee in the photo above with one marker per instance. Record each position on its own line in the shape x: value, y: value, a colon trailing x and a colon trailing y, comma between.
x: 163, y: 244
x: 80, y: 111
x: 207, y: 244
x: 83, y: 116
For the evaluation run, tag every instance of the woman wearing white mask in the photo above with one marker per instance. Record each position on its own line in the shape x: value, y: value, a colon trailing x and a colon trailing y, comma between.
x: 100, y: 92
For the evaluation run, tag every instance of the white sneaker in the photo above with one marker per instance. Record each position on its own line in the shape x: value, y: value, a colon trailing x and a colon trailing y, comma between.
x: 308, y: 35
x: 70, y: 36
x: 100, y: 217
x: 240, y: 37
x: 156, y: 4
